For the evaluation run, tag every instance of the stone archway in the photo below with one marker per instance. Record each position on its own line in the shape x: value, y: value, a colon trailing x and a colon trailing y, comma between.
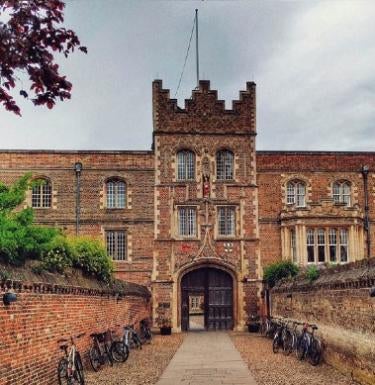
x: 207, y: 291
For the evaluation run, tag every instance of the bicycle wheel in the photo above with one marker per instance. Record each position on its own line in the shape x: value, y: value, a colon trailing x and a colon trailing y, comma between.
x: 287, y: 342
x: 301, y: 348
x: 79, y: 375
x: 62, y: 372
x: 119, y: 351
x: 315, y: 352
x: 94, y: 357
x: 276, y: 343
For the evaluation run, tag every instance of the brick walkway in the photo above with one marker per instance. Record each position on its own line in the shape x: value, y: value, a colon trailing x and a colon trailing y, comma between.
x: 207, y: 358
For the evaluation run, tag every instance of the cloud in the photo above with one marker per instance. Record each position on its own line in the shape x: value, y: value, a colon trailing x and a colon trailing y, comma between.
x: 312, y: 62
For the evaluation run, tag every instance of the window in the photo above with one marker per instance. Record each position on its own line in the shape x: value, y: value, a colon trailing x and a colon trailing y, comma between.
x: 293, y: 248
x: 320, y: 251
x: 41, y: 194
x: 116, y: 194
x: 116, y: 244
x: 185, y: 165
x: 226, y: 220
x: 187, y: 222
x: 296, y: 193
x: 341, y: 192
x: 224, y: 165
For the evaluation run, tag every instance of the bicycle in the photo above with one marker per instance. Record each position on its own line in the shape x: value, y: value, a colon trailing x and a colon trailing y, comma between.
x: 145, y: 332
x: 291, y: 338
x: 309, y: 346
x: 116, y: 348
x: 99, y: 352
x: 133, y: 340
x: 278, y: 339
x: 70, y: 368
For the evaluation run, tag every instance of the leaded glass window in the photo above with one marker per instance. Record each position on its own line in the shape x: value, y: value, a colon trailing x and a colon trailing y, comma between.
x: 341, y: 192
x: 226, y: 220
x: 187, y: 222
x: 296, y: 192
x: 41, y: 194
x: 224, y: 165
x: 116, y: 244
x: 185, y: 165
x: 116, y: 194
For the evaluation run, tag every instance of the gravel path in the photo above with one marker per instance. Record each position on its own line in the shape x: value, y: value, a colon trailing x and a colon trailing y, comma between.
x: 142, y: 367
x: 276, y: 369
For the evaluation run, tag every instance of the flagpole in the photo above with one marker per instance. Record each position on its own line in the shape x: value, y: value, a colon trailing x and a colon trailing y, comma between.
x: 196, y: 45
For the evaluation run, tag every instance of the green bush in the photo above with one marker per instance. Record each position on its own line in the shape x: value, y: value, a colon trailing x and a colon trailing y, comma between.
x: 276, y: 271
x: 91, y: 256
x: 57, y: 255
x: 312, y: 273
x: 21, y: 240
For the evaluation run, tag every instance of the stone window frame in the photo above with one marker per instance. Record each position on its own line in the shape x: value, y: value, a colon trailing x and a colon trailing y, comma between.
x: 233, y: 166
x: 340, y: 195
x: 50, y: 194
x: 116, y: 230
x: 105, y: 194
x: 178, y: 236
x: 185, y: 150
x: 327, y: 244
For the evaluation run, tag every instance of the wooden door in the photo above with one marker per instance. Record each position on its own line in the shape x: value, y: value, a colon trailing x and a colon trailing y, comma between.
x: 217, y: 287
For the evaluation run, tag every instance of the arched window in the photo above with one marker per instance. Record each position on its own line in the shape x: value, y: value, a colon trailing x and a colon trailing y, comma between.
x: 224, y: 165
x: 185, y: 165
x: 341, y: 192
x: 116, y: 194
x: 41, y: 194
x: 296, y: 192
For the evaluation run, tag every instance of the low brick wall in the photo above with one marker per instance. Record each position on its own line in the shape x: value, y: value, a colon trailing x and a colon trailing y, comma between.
x: 44, y: 313
x: 340, y: 304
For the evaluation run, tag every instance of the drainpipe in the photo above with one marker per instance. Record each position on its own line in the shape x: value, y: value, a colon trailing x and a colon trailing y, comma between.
x: 365, y: 171
x: 78, y: 169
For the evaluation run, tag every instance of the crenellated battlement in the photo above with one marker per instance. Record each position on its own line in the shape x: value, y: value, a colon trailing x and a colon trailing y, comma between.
x: 204, y: 113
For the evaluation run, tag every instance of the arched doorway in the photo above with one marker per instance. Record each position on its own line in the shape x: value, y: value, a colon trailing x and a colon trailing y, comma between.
x: 207, y: 299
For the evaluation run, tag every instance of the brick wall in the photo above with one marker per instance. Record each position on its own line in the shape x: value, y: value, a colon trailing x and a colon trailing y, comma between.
x: 319, y: 170
x: 136, y: 168
x: 340, y: 304
x: 45, y: 313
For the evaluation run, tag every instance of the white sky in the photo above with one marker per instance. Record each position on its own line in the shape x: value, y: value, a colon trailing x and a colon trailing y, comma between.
x: 313, y: 62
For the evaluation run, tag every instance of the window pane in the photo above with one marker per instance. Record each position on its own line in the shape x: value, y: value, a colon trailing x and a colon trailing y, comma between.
x: 332, y: 245
x: 291, y: 193
x: 343, y: 245
x: 120, y: 195
x: 293, y: 250
x: 110, y: 195
x: 310, y: 245
x: 35, y: 196
x: 46, y: 195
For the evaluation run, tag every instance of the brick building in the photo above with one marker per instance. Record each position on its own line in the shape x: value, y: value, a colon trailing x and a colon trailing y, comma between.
x: 203, y: 212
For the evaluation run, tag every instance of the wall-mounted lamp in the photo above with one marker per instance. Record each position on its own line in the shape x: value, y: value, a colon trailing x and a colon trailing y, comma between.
x: 372, y: 292
x: 8, y: 298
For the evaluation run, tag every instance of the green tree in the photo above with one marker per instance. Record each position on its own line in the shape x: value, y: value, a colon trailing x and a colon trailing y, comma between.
x: 276, y: 271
